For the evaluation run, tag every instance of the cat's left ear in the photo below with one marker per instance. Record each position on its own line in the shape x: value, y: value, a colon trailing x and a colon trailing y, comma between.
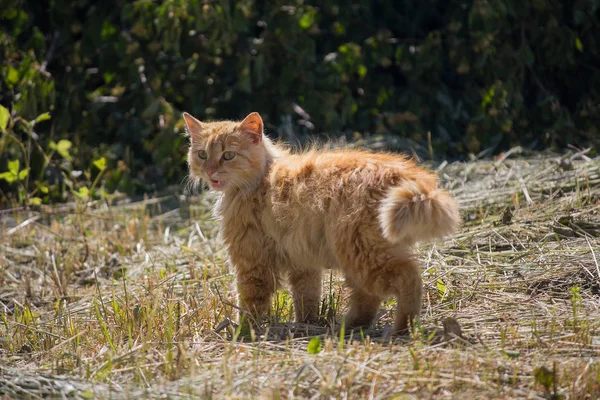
x: 194, y: 127
x: 252, y: 125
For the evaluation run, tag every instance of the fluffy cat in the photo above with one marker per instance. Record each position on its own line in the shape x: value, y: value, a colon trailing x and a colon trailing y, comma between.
x: 292, y: 215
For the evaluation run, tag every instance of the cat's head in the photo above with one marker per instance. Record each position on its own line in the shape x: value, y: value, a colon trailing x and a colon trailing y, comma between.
x: 226, y: 154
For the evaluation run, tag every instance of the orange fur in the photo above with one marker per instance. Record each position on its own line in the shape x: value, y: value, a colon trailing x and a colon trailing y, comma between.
x: 290, y: 216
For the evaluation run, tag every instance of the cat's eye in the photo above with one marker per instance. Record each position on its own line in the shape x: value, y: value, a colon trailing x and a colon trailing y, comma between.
x: 228, y: 155
x: 202, y: 154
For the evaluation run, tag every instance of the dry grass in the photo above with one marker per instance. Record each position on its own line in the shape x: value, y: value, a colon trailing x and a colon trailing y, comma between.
x: 132, y: 301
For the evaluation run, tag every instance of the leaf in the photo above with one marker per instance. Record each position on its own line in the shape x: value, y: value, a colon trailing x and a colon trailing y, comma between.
x: 512, y: 353
x: 29, y: 316
x: 108, y: 77
x: 9, y: 177
x: 35, y: 201
x: 42, y: 187
x: 362, y: 71
x: 23, y: 174
x: 307, y: 20
x: 578, y: 44
x: 488, y: 97
x: 62, y: 147
x: 339, y: 29
x: 544, y: 377
x: 4, y: 117
x: 13, y: 167
x: 83, y: 192
x: 42, y: 117
x: 441, y: 287
x: 314, y: 346
x: 100, y: 163
x: 108, y: 30
x: 12, y: 77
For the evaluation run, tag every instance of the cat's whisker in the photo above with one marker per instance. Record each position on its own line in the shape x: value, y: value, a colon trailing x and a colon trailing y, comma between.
x: 190, y: 184
x: 186, y: 183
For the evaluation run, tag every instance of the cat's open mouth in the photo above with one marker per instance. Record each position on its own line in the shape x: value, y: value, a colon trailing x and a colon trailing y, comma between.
x: 217, y: 184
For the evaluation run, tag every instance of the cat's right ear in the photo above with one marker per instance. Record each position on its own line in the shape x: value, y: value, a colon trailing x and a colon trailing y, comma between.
x: 252, y: 125
x: 193, y: 126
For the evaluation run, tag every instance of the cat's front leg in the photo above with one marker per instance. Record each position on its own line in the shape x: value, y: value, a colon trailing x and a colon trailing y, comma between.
x: 256, y: 273
x: 306, y: 292
x: 255, y: 287
x: 253, y: 260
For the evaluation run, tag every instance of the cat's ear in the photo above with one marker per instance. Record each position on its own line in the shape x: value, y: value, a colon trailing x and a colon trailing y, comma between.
x: 253, y: 126
x: 194, y: 127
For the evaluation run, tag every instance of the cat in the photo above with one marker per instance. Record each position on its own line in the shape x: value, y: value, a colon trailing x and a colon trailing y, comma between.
x: 293, y: 215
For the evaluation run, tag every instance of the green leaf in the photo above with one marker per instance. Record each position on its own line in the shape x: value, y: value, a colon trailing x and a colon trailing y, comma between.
x: 83, y: 192
x: 35, y: 201
x: 544, y: 377
x: 23, y: 174
x: 314, y: 346
x: 29, y: 316
x: 578, y: 44
x: 62, y: 147
x: 12, y: 77
x: 108, y: 30
x: 362, y: 71
x: 9, y: 177
x: 488, y: 97
x: 307, y: 20
x: 339, y: 29
x: 13, y: 167
x: 441, y: 287
x: 108, y: 77
x: 4, y: 117
x: 100, y: 163
x: 9, y: 13
x: 42, y: 117
x: 512, y: 353
x: 42, y: 187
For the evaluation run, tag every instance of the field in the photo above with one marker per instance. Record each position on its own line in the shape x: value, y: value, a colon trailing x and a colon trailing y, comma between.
x: 134, y: 299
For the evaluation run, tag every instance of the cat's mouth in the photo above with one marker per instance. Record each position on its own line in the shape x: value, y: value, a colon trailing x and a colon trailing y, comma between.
x: 216, y: 184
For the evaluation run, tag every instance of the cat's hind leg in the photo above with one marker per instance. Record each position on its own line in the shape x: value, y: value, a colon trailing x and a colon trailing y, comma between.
x: 409, y: 293
x: 400, y: 277
x: 390, y: 273
x: 379, y: 269
x: 363, y: 308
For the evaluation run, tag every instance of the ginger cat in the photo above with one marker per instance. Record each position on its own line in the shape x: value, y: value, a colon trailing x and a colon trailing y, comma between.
x: 292, y: 215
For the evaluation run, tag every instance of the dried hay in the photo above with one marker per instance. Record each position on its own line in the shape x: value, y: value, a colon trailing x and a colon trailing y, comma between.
x: 511, y: 307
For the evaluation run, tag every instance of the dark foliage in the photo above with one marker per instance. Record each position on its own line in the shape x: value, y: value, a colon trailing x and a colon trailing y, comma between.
x: 115, y: 75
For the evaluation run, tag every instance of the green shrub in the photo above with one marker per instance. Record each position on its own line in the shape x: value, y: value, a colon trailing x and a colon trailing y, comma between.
x: 115, y: 76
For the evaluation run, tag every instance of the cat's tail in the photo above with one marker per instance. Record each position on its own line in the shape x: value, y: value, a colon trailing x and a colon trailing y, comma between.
x: 415, y: 212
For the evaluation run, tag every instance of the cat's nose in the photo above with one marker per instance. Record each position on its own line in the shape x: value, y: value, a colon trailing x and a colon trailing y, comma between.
x: 209, y: 172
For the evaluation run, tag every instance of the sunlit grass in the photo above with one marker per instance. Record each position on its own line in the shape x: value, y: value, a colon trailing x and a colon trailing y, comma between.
x: 136, y: 300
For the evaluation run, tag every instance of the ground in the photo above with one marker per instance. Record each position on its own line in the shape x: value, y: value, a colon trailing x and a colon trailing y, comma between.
x: 135, y: 300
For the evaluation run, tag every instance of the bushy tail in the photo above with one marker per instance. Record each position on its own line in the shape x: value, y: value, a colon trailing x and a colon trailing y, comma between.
x: 414, y: 212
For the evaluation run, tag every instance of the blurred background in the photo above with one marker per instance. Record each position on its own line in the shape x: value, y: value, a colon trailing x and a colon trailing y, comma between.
x: 91, y: 92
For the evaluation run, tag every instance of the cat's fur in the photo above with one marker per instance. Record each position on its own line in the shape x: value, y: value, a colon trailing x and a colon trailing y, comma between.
x: 292, y: 215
